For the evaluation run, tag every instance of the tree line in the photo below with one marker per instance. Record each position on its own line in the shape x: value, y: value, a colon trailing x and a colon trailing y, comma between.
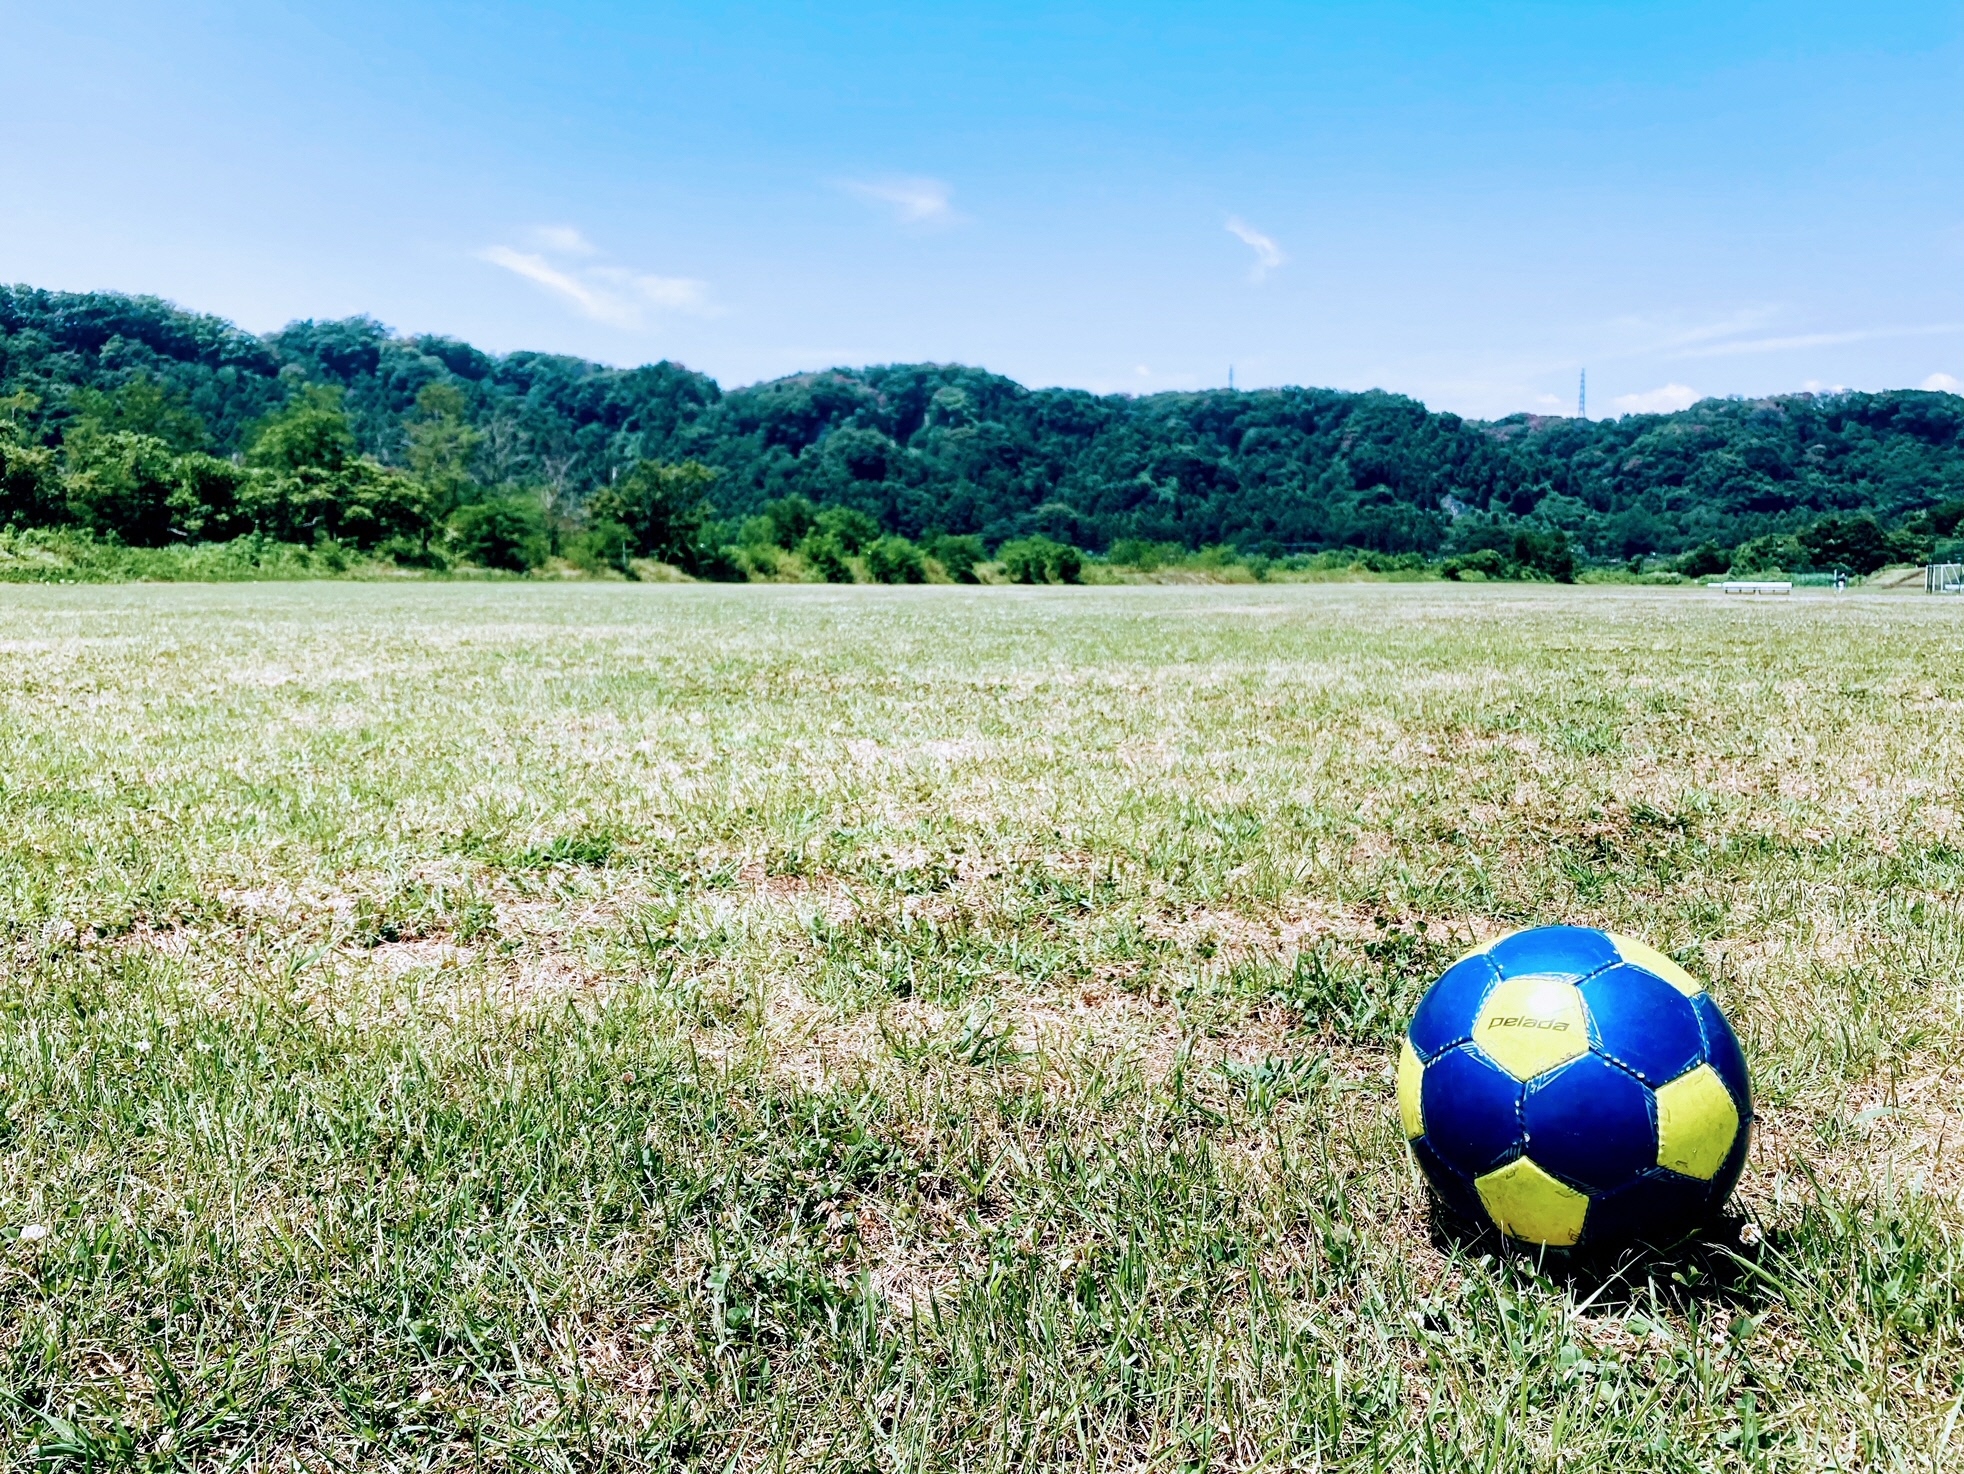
x: 132, y: 420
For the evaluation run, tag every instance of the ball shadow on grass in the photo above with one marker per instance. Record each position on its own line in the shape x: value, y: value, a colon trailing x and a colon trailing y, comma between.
x: 1712, y: 1267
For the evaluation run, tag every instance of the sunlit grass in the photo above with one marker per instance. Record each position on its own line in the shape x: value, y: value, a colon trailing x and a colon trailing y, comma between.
x: 592, y: 1026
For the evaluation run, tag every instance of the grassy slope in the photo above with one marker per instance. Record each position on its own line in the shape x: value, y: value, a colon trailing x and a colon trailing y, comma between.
x: 558, y: 1026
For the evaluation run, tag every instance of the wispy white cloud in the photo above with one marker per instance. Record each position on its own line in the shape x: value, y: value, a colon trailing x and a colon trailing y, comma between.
x: 564, y: 240
x: 1740, y: 346
x: 1744, y: 321
x: 1943, y: 383
x: 912, y: 201
x: 1268, y: 255
x: 670, y: 293
x: 614, y: 295
x: 1657, y: 401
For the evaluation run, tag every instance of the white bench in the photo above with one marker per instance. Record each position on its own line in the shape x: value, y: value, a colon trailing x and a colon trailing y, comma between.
x: 1748, y: 586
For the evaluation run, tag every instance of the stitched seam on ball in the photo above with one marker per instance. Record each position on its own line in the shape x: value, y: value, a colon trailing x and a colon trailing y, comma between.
x: 1623, y: 1064
x: 1704, y: 1038
x: 1629, y: 1069
x: 1598, y: 972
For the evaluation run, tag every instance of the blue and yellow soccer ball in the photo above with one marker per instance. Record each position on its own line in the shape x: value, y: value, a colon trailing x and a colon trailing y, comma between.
x: 1574, y: 1087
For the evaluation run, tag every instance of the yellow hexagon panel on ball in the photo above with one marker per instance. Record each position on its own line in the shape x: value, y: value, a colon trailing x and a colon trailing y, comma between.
x: 1411, y: 1080
x: 1696, y: 1123
x: 1530, y: 1025
x: 1526, y: 1203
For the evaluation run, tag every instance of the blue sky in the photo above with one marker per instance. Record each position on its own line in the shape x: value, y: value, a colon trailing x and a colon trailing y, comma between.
x: 1467, y: 203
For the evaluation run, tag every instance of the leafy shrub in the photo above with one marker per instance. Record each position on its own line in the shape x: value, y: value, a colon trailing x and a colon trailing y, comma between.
x: 601, y: 547
x: 1040, y: 560
x: 895, y: 560
x: 505, y: 532
x: 413, y: 552
x: 1774, y: 553
x: 825, y: 558
x: 1546, y: 553
x: 1368, y: 560
x: 1486, y: 562
x: 1497, y: 547
x: 1147, y: 557
x: 1373, y: 561
x: 761, y: 560
x: 722, y: 562
x: 1701, y: 562
x: 74, y: 555
x: 854, y: 530
x: 958, y: 555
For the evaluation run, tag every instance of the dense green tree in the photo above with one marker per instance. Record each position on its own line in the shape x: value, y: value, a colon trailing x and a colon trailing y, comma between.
x: 1518, y: 549
x: 1943, y: 520
x: 140, y: 407
x: 665, y: 507
x: 442, y: 445
x: 309, y: 433
x: 1855, y: 544
x: 313, y: 484
x: 30, y: 483
x: 124, y: 485
x: 506, y: 532
x: 361, y: 503
x: 209, y: 504
x: 789, y: 519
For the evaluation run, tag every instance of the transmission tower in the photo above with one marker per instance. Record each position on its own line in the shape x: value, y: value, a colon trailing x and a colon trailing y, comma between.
x: 1582, y: 397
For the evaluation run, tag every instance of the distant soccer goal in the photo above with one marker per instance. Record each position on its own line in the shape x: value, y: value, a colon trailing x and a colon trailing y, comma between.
x: 1943, y: 578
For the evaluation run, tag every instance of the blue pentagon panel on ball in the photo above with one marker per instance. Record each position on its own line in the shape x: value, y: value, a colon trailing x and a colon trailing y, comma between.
x: 1574, y: 1087
x: 1643, y: 1023
x: 1471, y: 1110
x: 1571, y: 952
x: 1659, y: 1208
x: 1446, y: 1013
x: 1455, y: 1188
x: 1590, y: 1124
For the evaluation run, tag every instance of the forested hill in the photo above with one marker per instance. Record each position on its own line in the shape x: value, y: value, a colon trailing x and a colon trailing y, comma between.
x: 951, y: 449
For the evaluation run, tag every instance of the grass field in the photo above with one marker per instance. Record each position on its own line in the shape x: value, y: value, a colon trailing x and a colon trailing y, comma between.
x: 600, y: 1026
